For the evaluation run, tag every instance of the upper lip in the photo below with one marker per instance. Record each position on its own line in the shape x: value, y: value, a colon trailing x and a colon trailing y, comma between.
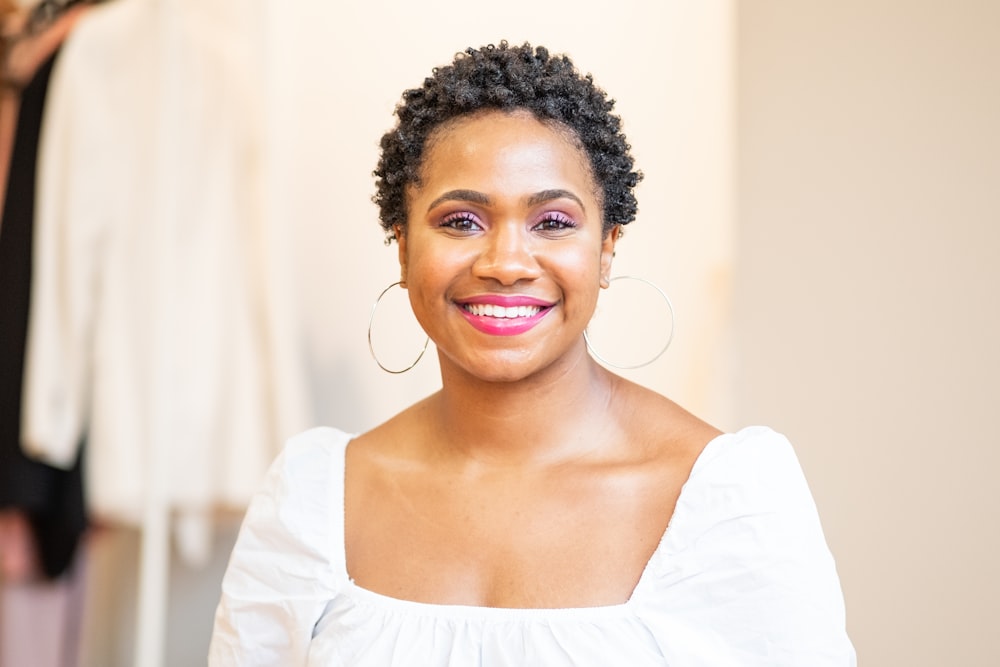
x: 505, y: 300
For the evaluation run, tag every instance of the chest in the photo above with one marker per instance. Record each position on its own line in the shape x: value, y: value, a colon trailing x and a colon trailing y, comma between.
x: 548, y: 539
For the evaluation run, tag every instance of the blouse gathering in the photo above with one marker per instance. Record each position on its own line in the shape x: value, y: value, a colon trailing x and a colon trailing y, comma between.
x: 742, y: 576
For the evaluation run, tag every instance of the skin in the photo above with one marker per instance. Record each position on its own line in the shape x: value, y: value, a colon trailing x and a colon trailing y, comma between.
x: 534, y: 478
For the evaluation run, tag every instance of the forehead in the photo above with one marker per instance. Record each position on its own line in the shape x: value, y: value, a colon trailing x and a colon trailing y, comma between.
x: 512, y: 147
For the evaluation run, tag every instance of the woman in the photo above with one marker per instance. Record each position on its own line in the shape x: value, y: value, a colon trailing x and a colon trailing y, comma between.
x: 519, y: 515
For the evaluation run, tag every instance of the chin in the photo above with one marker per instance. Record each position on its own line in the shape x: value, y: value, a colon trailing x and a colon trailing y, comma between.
x: 507, y: 368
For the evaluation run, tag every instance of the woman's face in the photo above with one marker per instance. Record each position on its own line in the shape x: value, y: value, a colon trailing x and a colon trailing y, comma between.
x: 504, y: 252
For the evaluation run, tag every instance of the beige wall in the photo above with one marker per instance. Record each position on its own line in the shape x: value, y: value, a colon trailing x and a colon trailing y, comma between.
x: 867, y: 314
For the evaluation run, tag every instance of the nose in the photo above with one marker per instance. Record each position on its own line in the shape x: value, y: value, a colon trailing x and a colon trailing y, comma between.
x: 507, y: 255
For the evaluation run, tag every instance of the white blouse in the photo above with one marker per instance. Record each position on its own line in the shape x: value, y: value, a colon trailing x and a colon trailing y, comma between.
x: 742, y: 576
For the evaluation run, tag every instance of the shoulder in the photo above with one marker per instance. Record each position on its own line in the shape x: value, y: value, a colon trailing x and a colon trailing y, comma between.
x: 300, y: 493
x: 288, y: 559
x: 295, y: 511
x: 320, y: 445
x: 745, y: 553
x: 398, y: 440
x: 752, y: 475
x: 307, y: 473
x: 755, y: 455
x: 657, y: 429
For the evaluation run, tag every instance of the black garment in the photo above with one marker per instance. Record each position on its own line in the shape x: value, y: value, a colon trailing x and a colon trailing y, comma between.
x: 51, y: 498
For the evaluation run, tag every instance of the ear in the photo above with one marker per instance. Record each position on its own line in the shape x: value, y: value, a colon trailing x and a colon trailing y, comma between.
x: 401, y: 241
x: 608, y: 253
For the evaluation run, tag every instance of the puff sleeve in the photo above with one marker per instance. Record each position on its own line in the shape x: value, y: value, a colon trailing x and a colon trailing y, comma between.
x: 283, y: 569
x: 744, y: 576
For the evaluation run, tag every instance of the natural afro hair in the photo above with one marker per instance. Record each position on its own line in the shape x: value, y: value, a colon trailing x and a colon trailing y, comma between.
x: 507, y: 78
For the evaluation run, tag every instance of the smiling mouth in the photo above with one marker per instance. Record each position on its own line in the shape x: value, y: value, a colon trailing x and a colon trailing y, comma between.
x: 501, y: 312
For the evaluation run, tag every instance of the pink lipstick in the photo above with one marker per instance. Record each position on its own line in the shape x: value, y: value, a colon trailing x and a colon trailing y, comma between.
x: 499, y: 315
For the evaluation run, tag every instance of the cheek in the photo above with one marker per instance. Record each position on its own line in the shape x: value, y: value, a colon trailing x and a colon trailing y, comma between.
x: 580, y: 276
x: 424, y: 266
x: 428, y: 277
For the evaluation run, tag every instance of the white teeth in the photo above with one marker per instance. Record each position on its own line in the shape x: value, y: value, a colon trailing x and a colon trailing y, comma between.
x: 509, y: 313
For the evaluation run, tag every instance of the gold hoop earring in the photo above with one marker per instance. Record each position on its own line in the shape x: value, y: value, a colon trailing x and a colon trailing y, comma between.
x: 371, y: 348
x: 670, y: 338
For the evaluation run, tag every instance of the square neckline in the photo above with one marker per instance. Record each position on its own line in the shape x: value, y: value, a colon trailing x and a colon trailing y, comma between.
x: 368, y: 597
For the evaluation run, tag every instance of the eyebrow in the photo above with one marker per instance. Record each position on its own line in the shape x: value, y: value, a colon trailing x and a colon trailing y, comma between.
x: 476, y: 197
x: 461, y: 195
x: 549, y: 195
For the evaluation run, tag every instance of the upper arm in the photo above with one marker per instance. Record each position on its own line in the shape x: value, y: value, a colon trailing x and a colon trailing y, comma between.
x: 282, y: 571
x: 749, y: 573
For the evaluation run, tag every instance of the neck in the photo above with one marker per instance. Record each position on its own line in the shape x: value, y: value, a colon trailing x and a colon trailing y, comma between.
x: 554, y: 416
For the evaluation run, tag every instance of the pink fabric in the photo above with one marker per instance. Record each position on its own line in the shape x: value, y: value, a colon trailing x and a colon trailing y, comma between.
x: 40, y: 620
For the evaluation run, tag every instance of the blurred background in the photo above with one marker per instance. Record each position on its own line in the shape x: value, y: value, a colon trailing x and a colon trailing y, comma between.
x: 820, y: 202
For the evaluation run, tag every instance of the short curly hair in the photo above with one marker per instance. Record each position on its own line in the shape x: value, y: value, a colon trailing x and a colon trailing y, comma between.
x: 507, y: 78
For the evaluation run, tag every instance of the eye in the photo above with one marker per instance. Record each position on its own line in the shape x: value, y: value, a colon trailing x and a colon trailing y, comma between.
x: 461, y: 222
x: 554, y: 222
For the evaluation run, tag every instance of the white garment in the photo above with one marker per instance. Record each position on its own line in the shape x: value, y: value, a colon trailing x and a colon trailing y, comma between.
x: 160, y: 322
x: 742, y: 577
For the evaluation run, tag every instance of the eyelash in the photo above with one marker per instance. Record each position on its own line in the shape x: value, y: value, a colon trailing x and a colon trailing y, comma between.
x: 461, y: 222
x: 561, y: 221
x: 552, y: 222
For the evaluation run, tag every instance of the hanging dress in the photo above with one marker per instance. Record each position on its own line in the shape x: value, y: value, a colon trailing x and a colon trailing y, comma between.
x: 50, y: 497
